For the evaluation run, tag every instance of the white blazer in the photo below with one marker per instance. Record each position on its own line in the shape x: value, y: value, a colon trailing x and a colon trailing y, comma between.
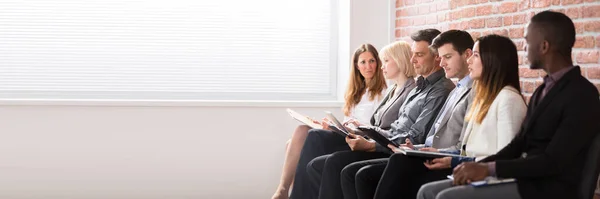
x: 498, y: 127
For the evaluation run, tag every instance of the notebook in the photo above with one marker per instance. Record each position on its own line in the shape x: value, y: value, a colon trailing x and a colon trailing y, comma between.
x: 304, y: 119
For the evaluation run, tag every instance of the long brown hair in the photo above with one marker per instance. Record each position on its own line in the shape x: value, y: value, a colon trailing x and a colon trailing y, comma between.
x: 500, y: 68
x: 357, y: 86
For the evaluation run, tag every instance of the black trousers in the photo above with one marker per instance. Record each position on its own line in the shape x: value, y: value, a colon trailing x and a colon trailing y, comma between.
x: 403, y: 176
x: 325, y: 171
x: 369, y: 171
x: 318, y: 143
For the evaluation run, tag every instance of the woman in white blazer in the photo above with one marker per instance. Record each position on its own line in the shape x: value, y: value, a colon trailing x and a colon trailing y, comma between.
x: 498, y: 109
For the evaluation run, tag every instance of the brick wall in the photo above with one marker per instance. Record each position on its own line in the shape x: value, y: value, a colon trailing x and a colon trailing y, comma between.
x: 508, y: 18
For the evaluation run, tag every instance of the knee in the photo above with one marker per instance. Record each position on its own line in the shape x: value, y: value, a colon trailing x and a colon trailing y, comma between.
x: 426, y: 192
x: 397, y: 158
x: 348, y: 173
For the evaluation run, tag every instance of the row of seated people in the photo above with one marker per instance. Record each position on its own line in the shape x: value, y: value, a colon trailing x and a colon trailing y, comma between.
x: 483, y: 117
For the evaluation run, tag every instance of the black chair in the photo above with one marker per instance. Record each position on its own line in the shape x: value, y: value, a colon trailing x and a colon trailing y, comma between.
x: 591, y: 170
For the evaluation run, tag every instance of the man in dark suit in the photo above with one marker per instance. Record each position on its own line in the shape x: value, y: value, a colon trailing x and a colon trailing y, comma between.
x: 547, y: 156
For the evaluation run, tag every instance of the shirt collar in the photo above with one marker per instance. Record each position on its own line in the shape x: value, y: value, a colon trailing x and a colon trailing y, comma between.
x: 554, y: 77
x: 464, y: 81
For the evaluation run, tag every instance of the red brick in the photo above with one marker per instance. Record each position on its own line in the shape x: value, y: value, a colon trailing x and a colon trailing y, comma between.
x: 569, y: 2
x: 484, y: 10
x: 455, y: 15
x: 482, y: 1
x: 455, y: 4
x: 508, y: 20
x: 588, y: 57
x: 443, y: 5
x: 519, y: 19
x: 409, y: 2
x: 521, y: 58
x: 493, y: 22
x: 442, y: 17
x: 573, y: 13
x: 528, y: 73
x: 424, y: 9
x: 468, y: 12
x: 528, y: 87
x: 464, y: 25
x: 598, y: 41
x: 584, y: 42
x: 541, y: 3
x: 417, y: 21
x: 431, y: 19
x: 398, y: 33
x: 404, y: 22
x: 399, y: 3
x: 555, y: 2
x: 520, y: 45
x: 579, y: 27
x: 591, y: 11
x: 593, y: 72
x: 476, y: 23
x: 592, y: 26
x: 475, y: 35
x: 398, y: 13
x: 516, y: 33
x: 509, y: 7
x: 487, y: 32
x: 455, y: 26
x: 502, y: 32
x: 524, y: 5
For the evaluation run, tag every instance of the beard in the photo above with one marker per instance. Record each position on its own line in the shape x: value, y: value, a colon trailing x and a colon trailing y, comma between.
x: 536, y: 64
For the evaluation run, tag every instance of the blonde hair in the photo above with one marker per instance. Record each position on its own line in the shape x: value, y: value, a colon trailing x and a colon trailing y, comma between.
x: 357, y: 86
x: 401, y: 53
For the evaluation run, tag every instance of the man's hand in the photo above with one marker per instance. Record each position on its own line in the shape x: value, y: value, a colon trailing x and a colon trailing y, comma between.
x: 470, y: 172
x: 439, y: 163
x: 359, y: 143
x: 394, y: 148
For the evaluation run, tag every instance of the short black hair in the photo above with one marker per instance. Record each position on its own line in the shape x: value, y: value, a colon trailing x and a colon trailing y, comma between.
x: 556, y: 28
x: 461, y: 40
x: 425, y: 35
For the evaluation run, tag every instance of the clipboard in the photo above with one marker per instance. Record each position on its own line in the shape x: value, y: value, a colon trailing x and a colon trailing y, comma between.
x: 427, y: 154
x: 336, y: 123
x: 489, y: 181
x: 373, y: 134
x: 304, y: 119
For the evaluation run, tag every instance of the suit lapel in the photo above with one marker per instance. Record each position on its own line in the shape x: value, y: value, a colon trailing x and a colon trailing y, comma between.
x: 383, y: 102
x: 538, y: 107
x: 460, y: 96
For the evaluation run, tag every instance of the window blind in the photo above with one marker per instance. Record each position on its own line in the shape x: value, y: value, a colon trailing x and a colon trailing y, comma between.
x: 168, y: 49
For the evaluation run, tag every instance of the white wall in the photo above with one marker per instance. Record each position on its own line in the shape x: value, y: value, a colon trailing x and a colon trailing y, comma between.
x: 143, y: 152
x: 146, y: 151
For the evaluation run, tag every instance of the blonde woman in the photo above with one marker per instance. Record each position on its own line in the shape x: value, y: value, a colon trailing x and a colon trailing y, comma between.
x: 364, y: 93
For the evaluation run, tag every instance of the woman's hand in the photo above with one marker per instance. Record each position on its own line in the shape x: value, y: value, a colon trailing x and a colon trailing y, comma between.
x: 408, y: 144
x: 359, y: 143
x: 325, y: 123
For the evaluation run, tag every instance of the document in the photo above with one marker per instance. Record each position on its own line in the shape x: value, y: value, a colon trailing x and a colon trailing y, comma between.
x: 305, y: 119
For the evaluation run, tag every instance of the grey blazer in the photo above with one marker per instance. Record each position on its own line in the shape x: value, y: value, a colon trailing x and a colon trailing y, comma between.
x: 449, y: 131
x: 389, y: 113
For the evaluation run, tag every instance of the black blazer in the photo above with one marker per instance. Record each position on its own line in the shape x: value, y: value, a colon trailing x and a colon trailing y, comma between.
x: 548, y: 154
